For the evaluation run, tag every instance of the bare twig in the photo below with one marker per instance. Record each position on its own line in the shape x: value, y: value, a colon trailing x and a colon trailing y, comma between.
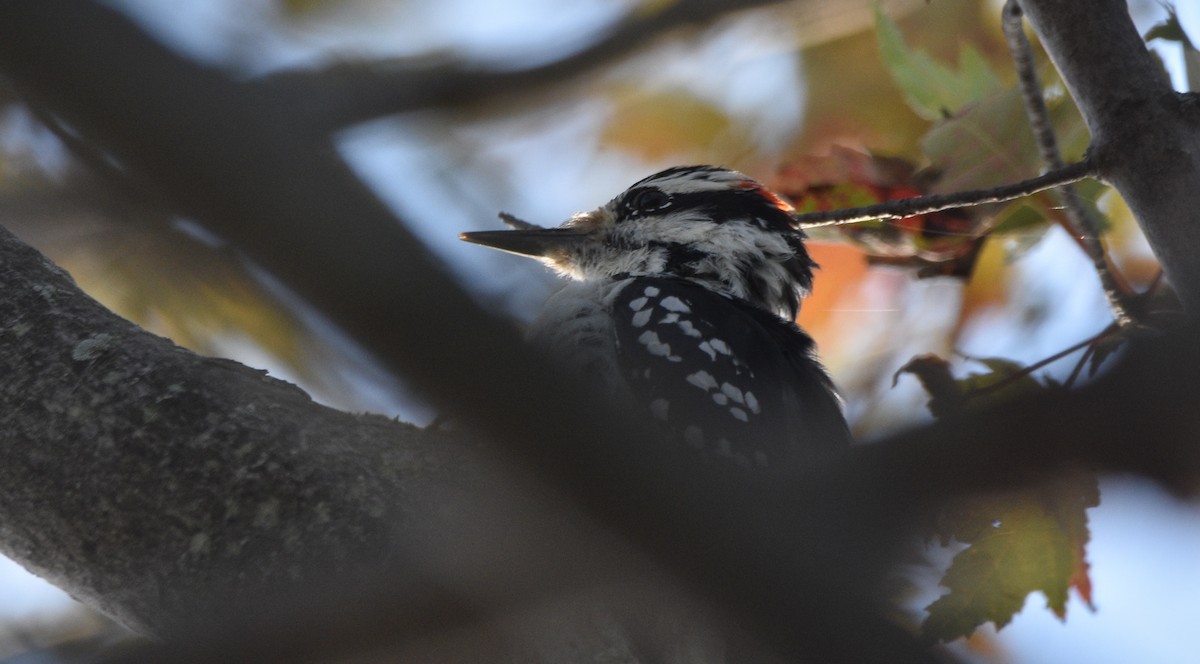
x: 909, y: 207
x: 1026, y: 371
x: 1083, y: 360
x: 1079, y: 221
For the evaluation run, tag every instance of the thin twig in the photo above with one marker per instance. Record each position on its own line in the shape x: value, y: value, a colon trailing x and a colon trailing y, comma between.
x: 909, y: 207
x: 1031, y: 88
x: 1083, y: 359
x: 1008, y: 380
x: 1079, y: 220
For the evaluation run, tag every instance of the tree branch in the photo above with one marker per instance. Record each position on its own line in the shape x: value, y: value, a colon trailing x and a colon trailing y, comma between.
x: 174, y: 491
x: 355, y: 92
x: 133, y: 471
x: 1080, y: 222
x: 1144, y: 136
x: 909, y: 207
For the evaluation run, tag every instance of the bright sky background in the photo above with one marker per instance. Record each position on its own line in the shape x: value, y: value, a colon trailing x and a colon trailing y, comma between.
x: 1145, y: 571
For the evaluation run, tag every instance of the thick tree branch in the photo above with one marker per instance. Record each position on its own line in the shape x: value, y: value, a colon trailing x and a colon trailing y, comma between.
x: 1145, y: 137
x: 133, y: 471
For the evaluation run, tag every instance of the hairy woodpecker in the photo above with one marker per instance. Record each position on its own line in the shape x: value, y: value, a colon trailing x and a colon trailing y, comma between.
x: 683, y: 293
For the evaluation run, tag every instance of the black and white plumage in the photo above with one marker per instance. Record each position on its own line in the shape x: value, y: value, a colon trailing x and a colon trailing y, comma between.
x: 684, y: 291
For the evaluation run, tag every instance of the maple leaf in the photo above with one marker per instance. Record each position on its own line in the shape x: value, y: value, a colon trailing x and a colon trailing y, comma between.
x: 932, y: 90
x: 1028, y: 540
x: 1020, y: 542
x: 980, y: 138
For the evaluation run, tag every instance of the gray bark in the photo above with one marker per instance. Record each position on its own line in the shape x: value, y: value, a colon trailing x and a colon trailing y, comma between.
x: 142, y: 478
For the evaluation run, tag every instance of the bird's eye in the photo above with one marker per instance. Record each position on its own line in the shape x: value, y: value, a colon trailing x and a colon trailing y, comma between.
x: 648, y: 200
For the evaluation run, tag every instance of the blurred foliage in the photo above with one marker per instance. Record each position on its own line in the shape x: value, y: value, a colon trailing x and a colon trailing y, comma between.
x: 658, y: 124
x: 852, y: 100
x: 77, y: 635
x: 131, y: 258
x: 938, y: 243
x: 979, y: 138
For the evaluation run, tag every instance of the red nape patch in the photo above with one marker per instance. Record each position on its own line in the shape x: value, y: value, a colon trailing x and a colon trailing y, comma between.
x: 770, y: 196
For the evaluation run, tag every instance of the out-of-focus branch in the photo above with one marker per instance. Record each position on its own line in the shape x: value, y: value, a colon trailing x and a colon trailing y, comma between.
x: 1144, y: 137
x: 354, y: 92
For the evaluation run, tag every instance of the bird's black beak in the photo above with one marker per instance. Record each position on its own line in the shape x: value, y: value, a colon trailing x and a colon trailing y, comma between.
x: 538, y: 242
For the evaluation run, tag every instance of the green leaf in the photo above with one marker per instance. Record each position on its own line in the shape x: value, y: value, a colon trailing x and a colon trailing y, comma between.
x: 301, y: 7
x: 989, y: 143
x: 1020, y: 217
x: 1020, y: 542
x: 985, y: 145
x: 932, y: 89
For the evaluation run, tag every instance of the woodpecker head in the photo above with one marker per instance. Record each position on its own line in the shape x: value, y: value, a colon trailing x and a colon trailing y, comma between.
x: 710, y: 225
